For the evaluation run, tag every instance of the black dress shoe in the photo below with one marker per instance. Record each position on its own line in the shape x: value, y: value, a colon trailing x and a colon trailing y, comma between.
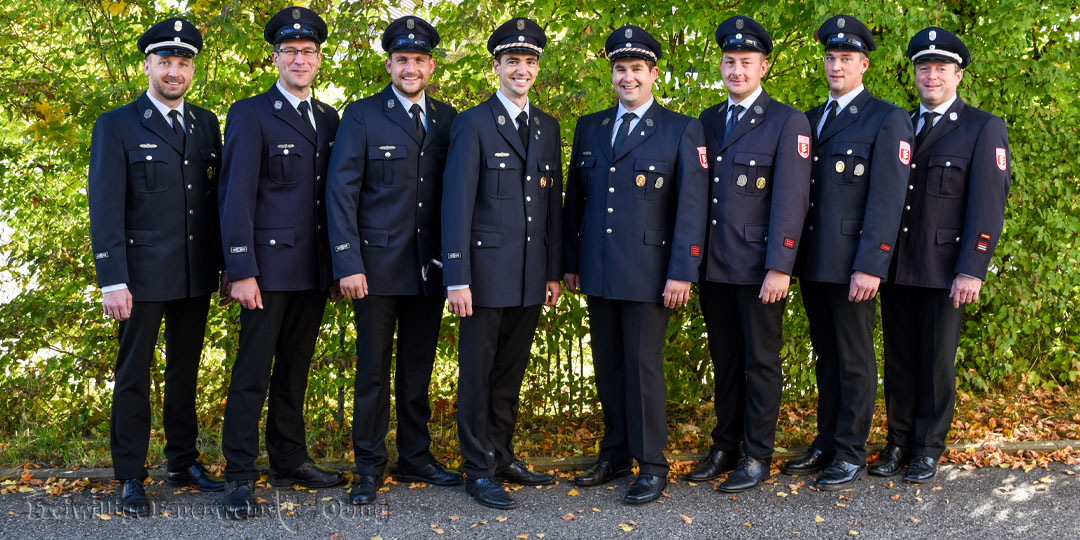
x: 308, y: 475
x: 195, y: 475
x: 840, y: 475
x: 239, y: 499
x: 890, y: 462
x: 645, y: 489
x: 921, y: 470
x: 433, y: 473
x: 717, y: 463
x: 749, y: 473
x: 133, y: 501
x: 364, y: 489
x: 812, y: 461
x: 518, y: 473
x: 601, y: 472
x: 489, y: 493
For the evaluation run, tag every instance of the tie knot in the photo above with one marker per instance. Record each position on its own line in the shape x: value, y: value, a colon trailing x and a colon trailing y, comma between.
x: 523, y: 118
x: 628, y: 117
x: 929, y: 116
x: 303, y: 107
x: 415, y: 109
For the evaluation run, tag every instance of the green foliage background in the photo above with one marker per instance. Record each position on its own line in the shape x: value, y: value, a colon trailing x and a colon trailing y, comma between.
x: 66, y: 62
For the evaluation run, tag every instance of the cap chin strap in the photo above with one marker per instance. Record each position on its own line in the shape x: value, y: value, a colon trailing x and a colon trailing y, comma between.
x: 632, y: 50
x: 518, y: 45
x: 150, y: 48
x: 941, y: 52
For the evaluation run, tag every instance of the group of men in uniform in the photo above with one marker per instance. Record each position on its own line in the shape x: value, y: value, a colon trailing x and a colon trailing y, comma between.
x: 406, y: 203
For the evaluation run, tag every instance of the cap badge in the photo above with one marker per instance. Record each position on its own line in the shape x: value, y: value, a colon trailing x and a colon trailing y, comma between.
x: 521, y: 24
x: 296, y: 26
x: 502, y: 120
x: 147, y: 113
x: 933, y: 47
x: 648, y: 122
x: 760, y: 182
x: 738, y: 36
x: 296, y: 14
x: 277, y: 105
x: 409, y: 24
x: 839, y: 166
x: 412, y: 36
x: 659, y: 183
x: 841, y: 34
x: 178, y: 26
x: 853, y: 109
x: 952, y: 116
x: 859, y: 169
x: 629, y: 33
x: 840, y: 23
x: 640, y: 180
x: 739, y: 24
x: 521, y: 38
x: 176, y: 39
x: 933, y: 35
x: 628, y: 45
x: 758, y: 109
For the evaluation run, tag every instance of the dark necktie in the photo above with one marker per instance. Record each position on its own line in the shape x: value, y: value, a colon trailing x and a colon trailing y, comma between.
x: 178, y: 128
x: 830, y: 114
x: 928, y: 124
x: 523, y: 128
x: 305, y: 116
x: 623, y: 133
x: 733, y: 118
x: 418, y: 121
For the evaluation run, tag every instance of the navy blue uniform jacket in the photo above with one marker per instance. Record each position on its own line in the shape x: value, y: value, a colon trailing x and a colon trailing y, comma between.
x: 857, y: 188
x: 501, y: 206
x: 953, y: 216
x: 384, y: 194
x: 637, y: 218
x: 759, y: 191
x: 153, y: 205
x: 273, y: 220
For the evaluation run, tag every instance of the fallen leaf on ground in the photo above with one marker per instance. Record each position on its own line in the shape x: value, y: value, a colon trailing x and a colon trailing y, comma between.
x: 686, y: 518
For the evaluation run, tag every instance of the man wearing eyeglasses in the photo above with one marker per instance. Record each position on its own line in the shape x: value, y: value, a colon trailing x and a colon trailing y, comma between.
x: 277, y: 259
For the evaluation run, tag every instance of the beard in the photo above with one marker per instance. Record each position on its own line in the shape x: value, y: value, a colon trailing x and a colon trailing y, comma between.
x: 166, y: 92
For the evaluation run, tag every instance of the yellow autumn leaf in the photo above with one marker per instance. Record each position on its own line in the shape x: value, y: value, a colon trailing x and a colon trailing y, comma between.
x: 104, y: 517
x: 573, y: 493
x: 501, y: 519
x: 114, y: 8
x: 522, y: 536
x: 568, y: 517
x: 818, y: 519
x: 686, y: 518
x: 853, y: 532
x: 625, y: 527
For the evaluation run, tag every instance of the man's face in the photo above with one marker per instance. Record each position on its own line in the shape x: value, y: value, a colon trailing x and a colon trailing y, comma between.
x: 633, y: 81
x: 844, y: 70
x: 936, y: 82
x: 170, y: 76
x: 298, y: 62
x: 517, y: 73
x: 410, y: 72
x: 742, y: 72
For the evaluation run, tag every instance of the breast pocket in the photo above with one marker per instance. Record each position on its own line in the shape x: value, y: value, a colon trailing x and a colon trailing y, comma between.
x: 285, y: 163
x: 386, y: 164
x: 274, y: 238
x: 586, y: 166
x: 849, y: 163
x: 502, y: 180
x: 651, y: 179
x: 149, y: 167
x: 946, y: 176
x: 547, y: 176
x: 752, y: 173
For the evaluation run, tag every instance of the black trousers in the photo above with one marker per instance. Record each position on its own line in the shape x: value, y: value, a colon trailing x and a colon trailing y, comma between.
x: 276, y: 344
x: 842, y: 335
x: 744, y: 342
x: 493, y: 352
x: 417, y: 319
x: 129, y: 433
x: 628, y: 354
x: 922, y: 329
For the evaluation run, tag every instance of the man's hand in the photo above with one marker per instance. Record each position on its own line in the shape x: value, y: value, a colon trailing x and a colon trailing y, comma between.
x: 460, y: 301
x: 553, y: 290
x: 224, y: 290
x: 573, y: 282
x: 863, y: 286
x: 354, y: 286
x: 117, y: 304
x: 246, y: 291
x: 335, y: 291
x: 676, y: 293
x: 775, y: 287
x: 965, y: 290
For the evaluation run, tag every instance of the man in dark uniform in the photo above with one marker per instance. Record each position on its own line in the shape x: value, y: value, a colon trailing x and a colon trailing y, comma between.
x: 383, y: 194
x: 759, y: 150
x: 861, y: 153
x: 277, y: 258
x: 157, y: 252
x: 635, y: 224
x: 501, y: 254
x: 951, y: 223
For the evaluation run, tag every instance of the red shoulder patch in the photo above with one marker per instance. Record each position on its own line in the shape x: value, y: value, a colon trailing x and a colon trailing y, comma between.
x: 703, y: 157
x: 905, y: 153
x: 1000, y: 159
x: 804, y: 146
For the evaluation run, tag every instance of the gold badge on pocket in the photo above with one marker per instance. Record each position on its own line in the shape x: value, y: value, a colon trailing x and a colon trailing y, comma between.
x: 640, y: 180
x: 839, y: 166
x: 760, y: 182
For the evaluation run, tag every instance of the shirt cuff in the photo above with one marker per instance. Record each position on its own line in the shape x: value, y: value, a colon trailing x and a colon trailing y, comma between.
x: 111, y: 288
x: 456, y: 287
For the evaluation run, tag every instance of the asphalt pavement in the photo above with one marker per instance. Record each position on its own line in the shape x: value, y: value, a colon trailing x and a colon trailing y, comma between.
x: 982, y: 503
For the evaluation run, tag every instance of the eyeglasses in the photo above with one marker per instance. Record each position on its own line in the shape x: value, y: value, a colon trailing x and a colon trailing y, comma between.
x: 291, y: 53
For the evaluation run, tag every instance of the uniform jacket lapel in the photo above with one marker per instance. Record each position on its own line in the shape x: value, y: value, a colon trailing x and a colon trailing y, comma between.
x: 750, y: 120
x: 398, y: 114
x: 943, y: 126
x: 641, y: 132
x: 287, y: 113
x: 433, y: 116
x: 157, y: 123
x: 322, y: 123
x: 845, y: 117
x: 506, y: 127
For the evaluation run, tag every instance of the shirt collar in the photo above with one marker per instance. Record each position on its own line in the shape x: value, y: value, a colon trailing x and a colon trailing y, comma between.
x: 511, y: 108
x: 163, y: 108
x: 842, y: 101
x: 293, y: 100
x: 408, y: 103
x: 746, y: 103
x: 940, y: 109
x: 638, y: 112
